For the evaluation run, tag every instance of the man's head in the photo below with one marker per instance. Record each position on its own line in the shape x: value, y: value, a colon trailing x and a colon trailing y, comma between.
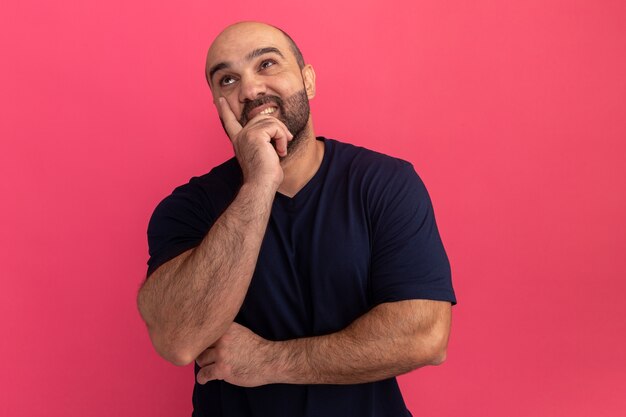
x: 259, y: 68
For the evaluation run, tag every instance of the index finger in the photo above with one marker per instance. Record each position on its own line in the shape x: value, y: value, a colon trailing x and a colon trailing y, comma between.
x: 206, y: 357
x: 228, y: 118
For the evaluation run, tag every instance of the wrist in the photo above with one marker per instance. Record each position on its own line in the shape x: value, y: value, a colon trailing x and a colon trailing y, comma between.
x: 261, y: 186
x: 258, y: 191
x: 291, y: 365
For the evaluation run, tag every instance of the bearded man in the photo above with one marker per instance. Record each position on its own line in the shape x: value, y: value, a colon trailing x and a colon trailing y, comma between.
x: 304, y: 274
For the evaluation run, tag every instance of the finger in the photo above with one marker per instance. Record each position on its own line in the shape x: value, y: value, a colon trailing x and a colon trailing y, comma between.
x: 206, y: 357
x: 228, y: 118
x: 206, y: 374
x: 276, y: 132
x: 281, y: 137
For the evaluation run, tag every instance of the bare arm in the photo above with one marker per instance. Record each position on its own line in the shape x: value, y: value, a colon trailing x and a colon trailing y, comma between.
x: 190, y: 301
x: 391, y: 339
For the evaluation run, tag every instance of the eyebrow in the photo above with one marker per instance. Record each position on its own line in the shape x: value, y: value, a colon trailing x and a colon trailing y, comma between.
x: 254, y: 54
x: 263, y: 51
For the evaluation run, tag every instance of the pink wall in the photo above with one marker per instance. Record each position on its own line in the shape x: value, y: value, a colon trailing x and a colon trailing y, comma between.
x: 514, y: 114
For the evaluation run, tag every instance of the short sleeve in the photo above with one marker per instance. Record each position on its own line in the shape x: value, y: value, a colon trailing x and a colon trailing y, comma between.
x: 408, y: 257
x: 178, y: 224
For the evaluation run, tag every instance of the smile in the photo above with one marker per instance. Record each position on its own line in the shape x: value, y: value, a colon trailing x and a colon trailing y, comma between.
x: 264, y: 106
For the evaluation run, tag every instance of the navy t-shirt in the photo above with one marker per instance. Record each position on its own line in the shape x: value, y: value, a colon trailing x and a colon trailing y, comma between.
x: 361, y: 232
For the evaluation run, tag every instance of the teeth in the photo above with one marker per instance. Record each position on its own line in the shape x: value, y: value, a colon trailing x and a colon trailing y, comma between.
x: 269, y: 110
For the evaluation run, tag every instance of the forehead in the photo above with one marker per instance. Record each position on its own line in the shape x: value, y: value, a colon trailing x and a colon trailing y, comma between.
x: 237, y: 41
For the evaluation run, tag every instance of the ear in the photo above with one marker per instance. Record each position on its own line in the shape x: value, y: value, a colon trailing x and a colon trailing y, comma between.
x: 308, y: 75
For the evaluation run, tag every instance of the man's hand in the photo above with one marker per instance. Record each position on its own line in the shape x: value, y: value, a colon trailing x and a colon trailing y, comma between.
x: 258, y: 158
x: 239, y: 357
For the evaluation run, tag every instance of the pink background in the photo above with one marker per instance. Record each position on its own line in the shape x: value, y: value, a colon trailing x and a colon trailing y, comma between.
x: 513, y: 113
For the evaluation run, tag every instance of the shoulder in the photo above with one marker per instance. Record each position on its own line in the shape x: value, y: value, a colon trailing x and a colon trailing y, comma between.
x: 202, y: 195
x: 223, y: 178
x: 371, y: 168
x: 359, y: 154
x: 365, y: 160
x: 181, y: 220
x: 221, y: 182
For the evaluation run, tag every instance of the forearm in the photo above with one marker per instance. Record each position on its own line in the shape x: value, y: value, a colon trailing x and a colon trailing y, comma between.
x: 390, y: 340
x: 190, y: 301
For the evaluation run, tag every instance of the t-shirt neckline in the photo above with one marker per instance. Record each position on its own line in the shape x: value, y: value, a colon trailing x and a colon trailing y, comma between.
x: 310, y: 186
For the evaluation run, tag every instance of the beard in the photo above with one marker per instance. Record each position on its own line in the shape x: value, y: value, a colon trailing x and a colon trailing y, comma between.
x: 293, y: 112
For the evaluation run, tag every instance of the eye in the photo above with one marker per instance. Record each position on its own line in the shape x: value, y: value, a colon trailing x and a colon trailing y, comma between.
x: 226, y: 80
x: 266, y: 64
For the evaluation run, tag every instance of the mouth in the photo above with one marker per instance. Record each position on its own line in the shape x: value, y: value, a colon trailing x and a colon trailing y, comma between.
x: 265, y: 109
x: 266, y: 105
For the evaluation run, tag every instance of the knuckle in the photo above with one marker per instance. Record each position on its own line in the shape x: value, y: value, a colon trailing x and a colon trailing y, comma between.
x: 201, y: 360
x: 262, y: 124
x: 270, y: 121
x: 218, y: 369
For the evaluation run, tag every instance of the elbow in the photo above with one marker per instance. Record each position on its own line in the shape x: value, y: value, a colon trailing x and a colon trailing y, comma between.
x: 169, y: 350
x: 172, y: 346
x: 178, y: 359
x: 438, y: 348
x: 179, y: 352
x: 177, y: 344
x: 438, y: 357
x: 165, y: 343
x: 430, y: 356
x: 437, y: 341
x: 176, y: 349
x: 431, y: 350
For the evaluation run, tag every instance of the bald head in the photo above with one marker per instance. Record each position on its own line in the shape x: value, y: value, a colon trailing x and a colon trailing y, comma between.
x: 234, y: 34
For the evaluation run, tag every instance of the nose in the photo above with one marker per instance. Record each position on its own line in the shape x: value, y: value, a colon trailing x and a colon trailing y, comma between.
x: 252, y: 86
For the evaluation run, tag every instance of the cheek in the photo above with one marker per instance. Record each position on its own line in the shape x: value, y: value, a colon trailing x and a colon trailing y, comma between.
x: 286, y: 86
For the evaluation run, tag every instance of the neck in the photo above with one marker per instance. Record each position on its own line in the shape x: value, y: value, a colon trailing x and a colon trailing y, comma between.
x: 302, y: 164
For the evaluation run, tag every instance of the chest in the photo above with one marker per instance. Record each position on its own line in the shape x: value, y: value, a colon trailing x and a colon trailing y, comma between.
x: 313, y: 268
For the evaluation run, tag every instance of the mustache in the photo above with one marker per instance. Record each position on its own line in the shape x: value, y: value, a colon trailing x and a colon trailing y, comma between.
x: 252, y: 104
